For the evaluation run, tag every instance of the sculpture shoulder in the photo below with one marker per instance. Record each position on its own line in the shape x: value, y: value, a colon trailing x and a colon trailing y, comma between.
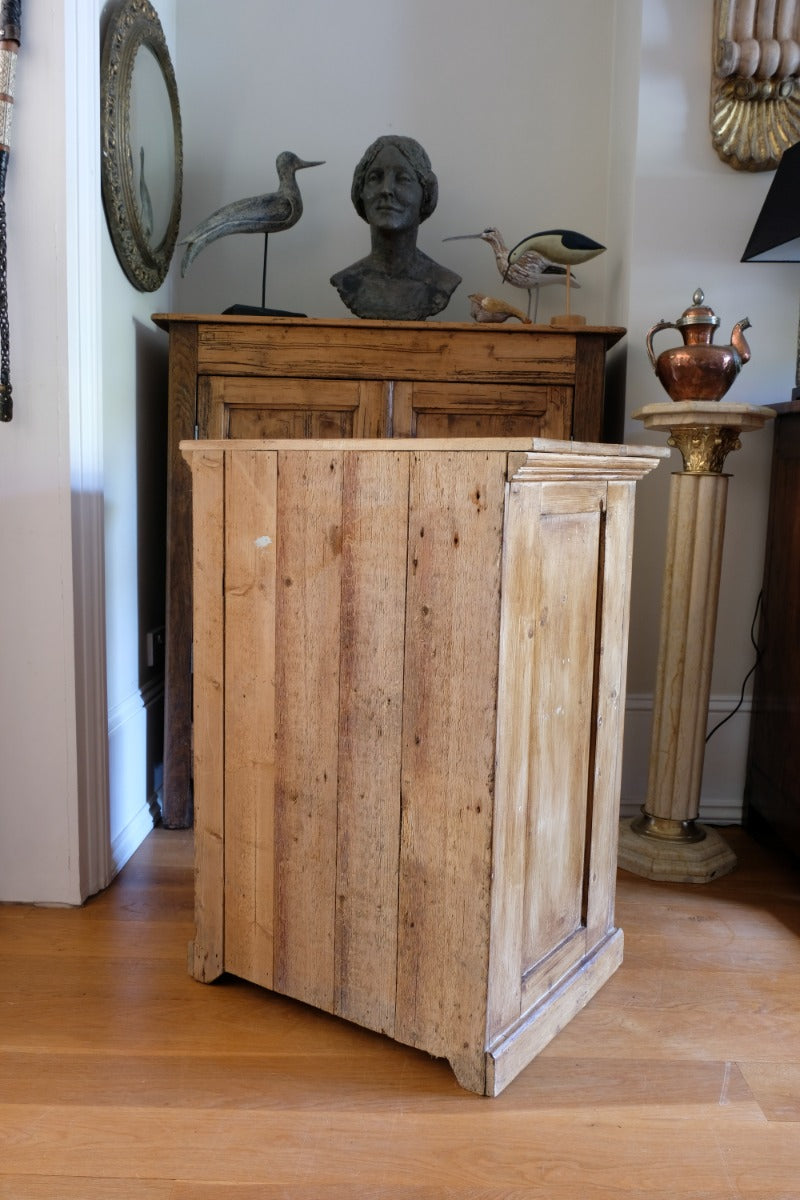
x: 424, y: 289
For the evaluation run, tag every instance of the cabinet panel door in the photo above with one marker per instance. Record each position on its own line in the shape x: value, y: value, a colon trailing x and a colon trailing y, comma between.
x: 548, y: 660
x: 241, y: 407
x: 444, y: 410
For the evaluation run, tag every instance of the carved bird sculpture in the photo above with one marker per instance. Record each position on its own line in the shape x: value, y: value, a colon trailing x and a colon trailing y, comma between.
x: 563, y: 246
x: 529, y: 272
x: 270, y: 213
x: 487, y: 308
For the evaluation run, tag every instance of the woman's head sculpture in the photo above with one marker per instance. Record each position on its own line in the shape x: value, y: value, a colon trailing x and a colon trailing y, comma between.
x: 417, y: 159
x: 394, y: 189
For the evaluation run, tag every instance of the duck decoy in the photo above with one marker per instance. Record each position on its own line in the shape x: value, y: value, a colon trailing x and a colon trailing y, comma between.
x: 488, y: 308
x: 529, y: 272
x: 564, y: 246
x: 269, y: 213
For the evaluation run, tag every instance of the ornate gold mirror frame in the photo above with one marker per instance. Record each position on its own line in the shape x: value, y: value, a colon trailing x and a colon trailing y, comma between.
x: 755, y: 92
x: 142, y: 148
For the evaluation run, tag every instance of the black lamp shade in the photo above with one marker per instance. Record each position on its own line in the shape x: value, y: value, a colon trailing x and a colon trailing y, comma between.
x: 776, y: 235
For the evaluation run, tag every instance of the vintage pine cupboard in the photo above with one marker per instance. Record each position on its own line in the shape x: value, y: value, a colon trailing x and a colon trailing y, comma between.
x: 280, y: 377
x: 409, y: 663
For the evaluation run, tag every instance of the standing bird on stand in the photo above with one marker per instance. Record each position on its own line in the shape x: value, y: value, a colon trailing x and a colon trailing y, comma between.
x: 529, y: 272
x: 270, y: 213
x: 563, y: 246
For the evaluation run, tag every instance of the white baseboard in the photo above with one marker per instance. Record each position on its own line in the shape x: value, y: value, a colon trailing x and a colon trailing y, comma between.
x: 132, y: 799
x: 722, y: 792
x: 129, y: 839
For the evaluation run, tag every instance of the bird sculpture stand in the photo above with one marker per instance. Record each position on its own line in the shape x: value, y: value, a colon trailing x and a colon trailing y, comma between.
x: 271, y: 212
x: 564, y: 247
x: 253, y: 310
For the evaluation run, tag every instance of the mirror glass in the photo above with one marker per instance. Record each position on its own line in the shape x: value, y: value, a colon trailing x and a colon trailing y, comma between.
x: 142, y: 157
x: 151, y: 142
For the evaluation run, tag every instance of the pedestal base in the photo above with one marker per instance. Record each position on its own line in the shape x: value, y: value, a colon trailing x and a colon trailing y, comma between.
x: 674, y: 861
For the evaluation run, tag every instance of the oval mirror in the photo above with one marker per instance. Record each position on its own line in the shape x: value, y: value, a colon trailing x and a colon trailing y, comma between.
x: 142, y: 150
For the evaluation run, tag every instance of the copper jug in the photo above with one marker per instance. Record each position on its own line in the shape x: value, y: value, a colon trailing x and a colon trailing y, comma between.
x: 697, y: 370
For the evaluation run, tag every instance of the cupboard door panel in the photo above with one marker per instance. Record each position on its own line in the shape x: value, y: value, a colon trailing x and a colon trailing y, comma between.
x: 238, y: 407
x: 548, y: 654
x: 444, y: 410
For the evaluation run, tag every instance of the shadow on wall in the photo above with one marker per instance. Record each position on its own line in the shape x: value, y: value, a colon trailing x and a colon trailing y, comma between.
x: 151, y: 503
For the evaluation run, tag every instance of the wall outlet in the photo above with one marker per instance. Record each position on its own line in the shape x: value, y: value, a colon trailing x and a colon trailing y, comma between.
x: 156, y: 643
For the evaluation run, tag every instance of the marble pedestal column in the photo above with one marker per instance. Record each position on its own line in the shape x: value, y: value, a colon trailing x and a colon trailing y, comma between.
x: 666, y: 841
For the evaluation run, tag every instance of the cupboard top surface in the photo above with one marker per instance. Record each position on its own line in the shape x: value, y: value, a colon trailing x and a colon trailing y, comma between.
x: 611, y: 333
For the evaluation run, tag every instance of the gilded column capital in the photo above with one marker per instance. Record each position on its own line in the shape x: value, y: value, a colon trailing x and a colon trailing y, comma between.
x: 704, y: 448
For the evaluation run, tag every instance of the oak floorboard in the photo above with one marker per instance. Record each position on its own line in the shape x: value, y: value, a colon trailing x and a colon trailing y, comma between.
x: 121, y: 1078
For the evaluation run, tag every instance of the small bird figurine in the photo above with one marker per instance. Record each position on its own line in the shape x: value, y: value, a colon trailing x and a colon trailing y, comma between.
x: 529, y: 272
x: 563, y: 246
x: 487, y: 308
x: 270, y: 213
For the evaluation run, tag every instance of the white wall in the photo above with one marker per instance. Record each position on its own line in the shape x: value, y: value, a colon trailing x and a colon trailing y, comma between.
x: 39, y: 791
x: 134, y: 385
x: 692, y: 217
x: 497, y: 94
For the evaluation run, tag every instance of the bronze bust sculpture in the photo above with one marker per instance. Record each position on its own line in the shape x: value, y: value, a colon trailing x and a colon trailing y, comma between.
x: 394, y: 190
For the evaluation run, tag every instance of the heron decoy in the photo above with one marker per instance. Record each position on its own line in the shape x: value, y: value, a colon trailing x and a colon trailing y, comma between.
x: 529, y: 272
x: 145, y: 203
x: 269, y: 213
x: 488, y: 308
x: 563, y: 246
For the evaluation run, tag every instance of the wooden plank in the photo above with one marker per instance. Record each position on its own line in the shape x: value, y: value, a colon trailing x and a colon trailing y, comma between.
x: 250, y: 560
x: 308, y: 601
x: 375, y: 528
x: 452, y: 623
x: 387, y: 350
x: 590, y: 368
x: 206, y: 955
x: 373, y: 415
x: 177, y: 792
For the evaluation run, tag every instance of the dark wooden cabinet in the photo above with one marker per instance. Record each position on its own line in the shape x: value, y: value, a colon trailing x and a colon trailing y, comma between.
x: 772, y: 791
x: 278, y: 377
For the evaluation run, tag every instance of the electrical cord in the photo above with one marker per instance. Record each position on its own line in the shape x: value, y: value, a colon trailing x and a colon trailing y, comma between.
x: 757, y: 649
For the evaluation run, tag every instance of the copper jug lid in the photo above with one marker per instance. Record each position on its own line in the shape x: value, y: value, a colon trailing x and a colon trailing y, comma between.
x: 698, y: 313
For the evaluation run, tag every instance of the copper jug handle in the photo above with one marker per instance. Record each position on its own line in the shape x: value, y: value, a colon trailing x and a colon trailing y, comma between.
x: 650, y: 334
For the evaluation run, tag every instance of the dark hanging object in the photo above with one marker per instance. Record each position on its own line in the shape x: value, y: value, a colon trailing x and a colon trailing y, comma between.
x: 9, y: 45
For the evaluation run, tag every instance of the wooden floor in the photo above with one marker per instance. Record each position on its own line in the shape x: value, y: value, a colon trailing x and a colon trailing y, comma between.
x: 122, y: 1077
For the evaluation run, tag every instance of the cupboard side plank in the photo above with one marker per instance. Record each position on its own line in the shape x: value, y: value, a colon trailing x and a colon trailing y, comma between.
x: 206, y: 956
x: 449, y: 720
x: 177, y: 795
x: 590, y: 369
x: 613, y: 656
x: 375, y: 528
x: 308, y: 598
x: 565, y: 565
x: 250, y: 534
